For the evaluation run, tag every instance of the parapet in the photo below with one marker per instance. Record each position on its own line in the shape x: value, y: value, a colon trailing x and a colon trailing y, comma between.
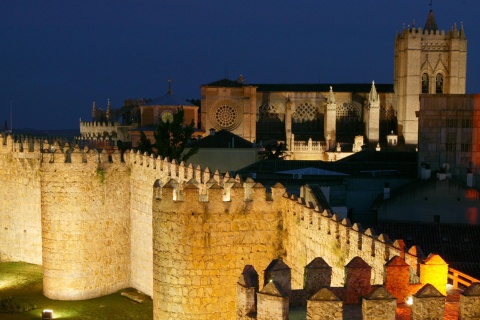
x: 376, y: 302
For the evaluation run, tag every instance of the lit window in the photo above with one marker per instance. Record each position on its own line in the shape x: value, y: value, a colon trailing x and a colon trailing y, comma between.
x: 439, y: 83
x: 425, y: 83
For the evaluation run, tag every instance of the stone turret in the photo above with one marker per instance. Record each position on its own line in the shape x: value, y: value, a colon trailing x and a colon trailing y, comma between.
x: 324, y: 305
x: 379, y: 304
x: 470, y: 303
x: 272, y: 302
x: 247, y: 289
x: 331, y: 119
x: 109, y: 110
x: 428, y: 303
x: 94, y: 110
x: 278, y: 271
x: 357, y: 280
x: 372, y: 120
x: 317, y: 274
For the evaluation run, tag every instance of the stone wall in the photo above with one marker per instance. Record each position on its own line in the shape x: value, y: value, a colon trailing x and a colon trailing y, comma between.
x: 313, y: 233
x: 20, y: 215
x: 200, y: 247
x: 178, y: 233
x: 141, y: 255
x: 85, y: 224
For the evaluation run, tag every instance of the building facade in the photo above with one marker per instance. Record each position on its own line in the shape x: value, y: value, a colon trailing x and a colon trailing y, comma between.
x: 425, y: 61
x: 449, y: 137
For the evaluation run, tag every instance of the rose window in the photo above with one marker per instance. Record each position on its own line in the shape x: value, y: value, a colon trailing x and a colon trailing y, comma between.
x: 226, y: 117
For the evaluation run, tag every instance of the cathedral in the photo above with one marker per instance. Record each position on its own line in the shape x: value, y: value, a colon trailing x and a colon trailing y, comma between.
x: 426, y: 61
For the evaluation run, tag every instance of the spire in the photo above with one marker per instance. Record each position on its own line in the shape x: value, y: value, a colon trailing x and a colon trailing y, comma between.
x: 109, y: 109
x: 373, y: 97
x: 462, y: 31
x: 331, y: 97
x: 169, y: 86
x: 431, y: 23
x: 94, y: 110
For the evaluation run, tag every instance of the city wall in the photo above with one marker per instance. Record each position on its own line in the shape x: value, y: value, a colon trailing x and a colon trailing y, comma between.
x: 180, y: 234
x: 20, y: 213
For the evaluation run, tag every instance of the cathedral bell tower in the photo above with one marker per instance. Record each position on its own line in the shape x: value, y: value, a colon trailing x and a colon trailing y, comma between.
x: 427, y: 61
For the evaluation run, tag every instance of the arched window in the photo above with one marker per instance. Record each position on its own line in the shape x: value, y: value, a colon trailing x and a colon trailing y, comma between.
x: 425, y: 83
x: 439, y: 83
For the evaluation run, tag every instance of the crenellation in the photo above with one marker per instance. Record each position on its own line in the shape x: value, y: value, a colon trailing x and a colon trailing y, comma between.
x: 144, y: 215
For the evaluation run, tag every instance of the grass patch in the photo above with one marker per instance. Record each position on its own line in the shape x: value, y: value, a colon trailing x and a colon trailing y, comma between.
x: 22, y: 299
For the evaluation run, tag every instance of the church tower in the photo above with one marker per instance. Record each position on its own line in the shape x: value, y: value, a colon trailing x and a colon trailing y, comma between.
x: 372, y: 116
x: 427, y: 61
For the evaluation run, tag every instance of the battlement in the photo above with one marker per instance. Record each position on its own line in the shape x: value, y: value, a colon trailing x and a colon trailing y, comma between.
x: 338, y: 240
x: 324, y: 301
x: 98, y: 124
x: 103, y: 221
x: 454, y: 33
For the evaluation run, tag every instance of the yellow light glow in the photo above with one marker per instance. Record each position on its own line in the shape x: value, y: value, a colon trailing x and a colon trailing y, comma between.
x: 47, y: 314
x: 410, y: 301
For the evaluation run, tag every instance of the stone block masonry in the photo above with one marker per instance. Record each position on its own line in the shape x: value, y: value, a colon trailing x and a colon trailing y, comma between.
x: 20, y: 214
x: 201, y: 247
x: 100, y: 222
x: 85, y: 227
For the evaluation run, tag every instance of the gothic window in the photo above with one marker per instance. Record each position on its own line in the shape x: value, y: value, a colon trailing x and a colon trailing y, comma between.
x: 465, y: 147
x: 439, y: 83
x: 268, y: 111
x: 348, y: 110
x: 466, y: 123
x: 270, y: 123
x: 307, y: 122
x: 425, y: 83
x: 349, y: 121
x: 305, y: 112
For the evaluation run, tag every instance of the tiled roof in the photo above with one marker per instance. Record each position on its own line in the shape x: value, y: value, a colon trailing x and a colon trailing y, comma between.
x: 223, y: 139
x: 225, y: 83
x: 457, y: 244
x: 169, y: 99
x: 361, y: 163
x: 305, y: 87
x: 318, y: 87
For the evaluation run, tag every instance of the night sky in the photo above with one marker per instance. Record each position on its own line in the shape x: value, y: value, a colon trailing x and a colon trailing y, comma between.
x: 57, y: 56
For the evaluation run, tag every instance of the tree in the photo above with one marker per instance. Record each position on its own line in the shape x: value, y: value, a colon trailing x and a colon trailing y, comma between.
x: 145, y: 145
x: 278, y: 154
x: 171, y: 138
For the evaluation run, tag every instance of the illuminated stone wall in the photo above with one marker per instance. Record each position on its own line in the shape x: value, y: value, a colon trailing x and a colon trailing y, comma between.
x: 85, y: 224
x: 200, y: 247
x: 313, y: 233
x: 178, y: 233
x: 20, y: 215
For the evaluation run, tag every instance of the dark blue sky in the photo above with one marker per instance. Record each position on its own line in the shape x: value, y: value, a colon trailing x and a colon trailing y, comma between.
x: 57, y: 56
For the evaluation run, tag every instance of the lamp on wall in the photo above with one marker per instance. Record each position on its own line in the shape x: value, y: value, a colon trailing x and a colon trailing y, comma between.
x: 47, y: 314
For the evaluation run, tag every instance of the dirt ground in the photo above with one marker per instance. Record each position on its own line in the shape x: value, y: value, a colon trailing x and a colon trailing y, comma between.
x: 21, y: 298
